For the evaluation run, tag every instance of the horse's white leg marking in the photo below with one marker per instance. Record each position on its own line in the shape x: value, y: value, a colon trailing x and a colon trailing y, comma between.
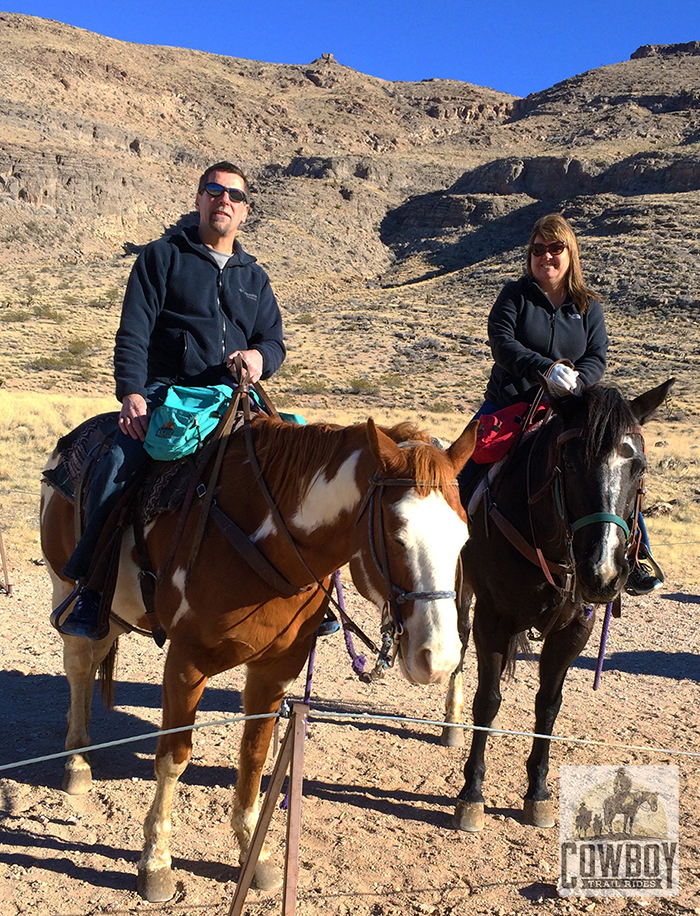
x: 434, y: 535
x: 243, y: 823
x: 327, y: 498
x: 158, y: 826
x: 454, y: 702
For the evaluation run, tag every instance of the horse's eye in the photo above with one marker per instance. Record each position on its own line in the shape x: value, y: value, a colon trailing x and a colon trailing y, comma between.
x: 639, y: 467
x: 626, y: 450
x: 398, y: 539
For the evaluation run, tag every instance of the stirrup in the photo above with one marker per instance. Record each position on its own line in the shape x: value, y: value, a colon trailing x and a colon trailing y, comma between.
x: 63, y: 607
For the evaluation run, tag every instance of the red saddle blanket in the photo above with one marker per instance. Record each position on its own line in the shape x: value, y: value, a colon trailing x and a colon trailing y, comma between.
x: 497, y: 431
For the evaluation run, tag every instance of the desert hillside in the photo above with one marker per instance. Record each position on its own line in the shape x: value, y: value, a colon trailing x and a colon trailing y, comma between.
x: 388, y: 215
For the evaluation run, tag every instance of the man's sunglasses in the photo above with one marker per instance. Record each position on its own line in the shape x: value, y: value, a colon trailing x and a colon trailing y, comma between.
x: 538, y: 249
x: 235, y: 195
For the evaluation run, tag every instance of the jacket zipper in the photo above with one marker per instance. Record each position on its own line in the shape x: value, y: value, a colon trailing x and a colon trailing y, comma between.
x: 219, y: 284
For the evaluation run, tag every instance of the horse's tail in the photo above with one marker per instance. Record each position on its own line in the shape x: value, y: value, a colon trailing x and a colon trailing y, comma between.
x: 518, y: 644
x: 106, y: 675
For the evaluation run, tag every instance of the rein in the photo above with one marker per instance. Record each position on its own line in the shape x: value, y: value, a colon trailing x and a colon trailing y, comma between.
x: 260, y: 564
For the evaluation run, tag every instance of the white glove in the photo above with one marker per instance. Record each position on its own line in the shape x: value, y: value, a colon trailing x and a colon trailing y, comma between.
x: 564, y: 377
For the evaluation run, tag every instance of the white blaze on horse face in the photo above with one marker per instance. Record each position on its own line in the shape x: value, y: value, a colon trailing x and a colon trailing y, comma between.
x: 328, y: 497
x: 616, y: 471
x: 433, y: 535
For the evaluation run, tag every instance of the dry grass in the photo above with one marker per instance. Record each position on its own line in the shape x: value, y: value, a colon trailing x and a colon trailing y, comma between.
x: 32, y: 422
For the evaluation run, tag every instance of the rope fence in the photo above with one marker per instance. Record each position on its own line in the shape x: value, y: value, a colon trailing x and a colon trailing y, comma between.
x: 350, y: 718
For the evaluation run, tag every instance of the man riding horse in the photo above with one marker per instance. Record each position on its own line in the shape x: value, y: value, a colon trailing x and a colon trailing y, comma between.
x: 194, y: 302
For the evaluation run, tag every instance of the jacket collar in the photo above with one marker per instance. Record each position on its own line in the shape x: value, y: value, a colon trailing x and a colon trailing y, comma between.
x: 240, y: 257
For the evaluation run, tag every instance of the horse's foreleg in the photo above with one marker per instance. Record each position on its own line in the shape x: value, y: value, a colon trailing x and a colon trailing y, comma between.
x: 81, y: 659
x: 183, y: 685
x: 559, y: 650
x: 452, y: 735
x: 490, y: 648
x: 265, y: 687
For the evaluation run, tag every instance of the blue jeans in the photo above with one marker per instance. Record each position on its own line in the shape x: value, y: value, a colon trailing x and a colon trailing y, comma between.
x: 115, y: 471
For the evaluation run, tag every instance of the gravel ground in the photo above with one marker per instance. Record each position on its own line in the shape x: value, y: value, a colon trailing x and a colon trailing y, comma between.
x: 378, y: 795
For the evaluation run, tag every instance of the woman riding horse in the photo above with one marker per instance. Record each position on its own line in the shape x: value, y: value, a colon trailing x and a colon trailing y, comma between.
x: 550, y: 314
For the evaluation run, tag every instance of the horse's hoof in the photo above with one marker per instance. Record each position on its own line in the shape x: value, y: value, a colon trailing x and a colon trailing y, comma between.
x: 155, y: 886
x: 267, y: 876
x: 77, y: 780
x: 469, y: 816
x: 452, y: 736
x: 538, y: 813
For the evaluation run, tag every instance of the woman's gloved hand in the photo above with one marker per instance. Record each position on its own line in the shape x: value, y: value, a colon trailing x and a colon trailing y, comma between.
x: 564, y: 377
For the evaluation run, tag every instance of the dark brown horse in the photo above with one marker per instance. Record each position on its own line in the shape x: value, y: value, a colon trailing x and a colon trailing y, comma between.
x: 345, y: 495
x: 549, y: 540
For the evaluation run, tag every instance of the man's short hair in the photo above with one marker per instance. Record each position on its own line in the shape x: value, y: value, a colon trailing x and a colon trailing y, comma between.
x: 223, y: 167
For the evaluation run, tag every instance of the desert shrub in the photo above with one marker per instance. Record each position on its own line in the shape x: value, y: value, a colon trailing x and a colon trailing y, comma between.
x: 440, y: 406
x: 362, y: 386
x: 311, y: 384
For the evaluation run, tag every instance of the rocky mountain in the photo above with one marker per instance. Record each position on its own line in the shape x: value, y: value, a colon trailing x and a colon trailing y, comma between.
x: 388, y: 214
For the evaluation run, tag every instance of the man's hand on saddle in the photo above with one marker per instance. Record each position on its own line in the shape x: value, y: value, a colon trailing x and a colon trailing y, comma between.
x: 253, y: 360
x: 133, y: 417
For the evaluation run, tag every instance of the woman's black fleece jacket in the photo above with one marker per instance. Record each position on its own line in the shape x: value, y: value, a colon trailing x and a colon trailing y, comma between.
x: 527, y: 334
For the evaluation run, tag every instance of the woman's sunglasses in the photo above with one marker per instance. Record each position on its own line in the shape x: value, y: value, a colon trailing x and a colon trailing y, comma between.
x: 235, y: 195
x: 538, y: 249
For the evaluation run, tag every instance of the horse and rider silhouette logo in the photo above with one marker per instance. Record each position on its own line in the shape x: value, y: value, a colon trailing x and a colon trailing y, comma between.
x: 627, y: 811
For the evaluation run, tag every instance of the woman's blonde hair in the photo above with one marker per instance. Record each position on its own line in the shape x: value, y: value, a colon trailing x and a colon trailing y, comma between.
x: 554, y: 228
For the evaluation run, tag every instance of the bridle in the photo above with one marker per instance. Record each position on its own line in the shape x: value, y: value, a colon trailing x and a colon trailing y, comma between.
x: 554, y: 486
x: 395, y: 596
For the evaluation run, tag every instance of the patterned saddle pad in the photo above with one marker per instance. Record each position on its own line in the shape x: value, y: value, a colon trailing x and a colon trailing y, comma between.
x: 163, y: 487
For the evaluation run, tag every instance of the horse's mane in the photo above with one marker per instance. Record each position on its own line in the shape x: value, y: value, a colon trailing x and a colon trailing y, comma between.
x: 428, y: 466
x: 286, y: 451
x: 608, y: 419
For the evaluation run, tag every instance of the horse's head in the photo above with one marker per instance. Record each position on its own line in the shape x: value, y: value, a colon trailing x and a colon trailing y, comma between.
x: 410, y: 531
x: 601, y: 461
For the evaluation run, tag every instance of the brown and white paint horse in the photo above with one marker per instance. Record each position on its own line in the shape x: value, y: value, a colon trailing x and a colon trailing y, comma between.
x: 223, y: 615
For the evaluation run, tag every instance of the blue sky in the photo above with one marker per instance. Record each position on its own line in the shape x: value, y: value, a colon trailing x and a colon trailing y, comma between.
x: 517, y: 47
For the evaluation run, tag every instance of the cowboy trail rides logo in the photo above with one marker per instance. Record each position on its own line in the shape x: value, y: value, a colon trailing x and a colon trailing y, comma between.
x: 618, y: 831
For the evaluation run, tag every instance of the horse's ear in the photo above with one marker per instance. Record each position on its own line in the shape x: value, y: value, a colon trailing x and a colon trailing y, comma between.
x: 461, y: 449
x: 645, y: 405
x: 385, y: 451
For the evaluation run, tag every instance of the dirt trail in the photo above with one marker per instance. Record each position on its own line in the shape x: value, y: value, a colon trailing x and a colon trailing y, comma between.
x: 379, y: 795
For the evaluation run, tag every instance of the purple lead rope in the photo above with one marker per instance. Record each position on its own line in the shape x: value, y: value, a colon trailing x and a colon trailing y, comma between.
x: 601, y: 650
x: 358, y: 661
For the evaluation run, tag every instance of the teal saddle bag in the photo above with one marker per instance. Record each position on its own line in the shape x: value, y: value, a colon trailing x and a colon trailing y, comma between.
x: 187, y: 416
